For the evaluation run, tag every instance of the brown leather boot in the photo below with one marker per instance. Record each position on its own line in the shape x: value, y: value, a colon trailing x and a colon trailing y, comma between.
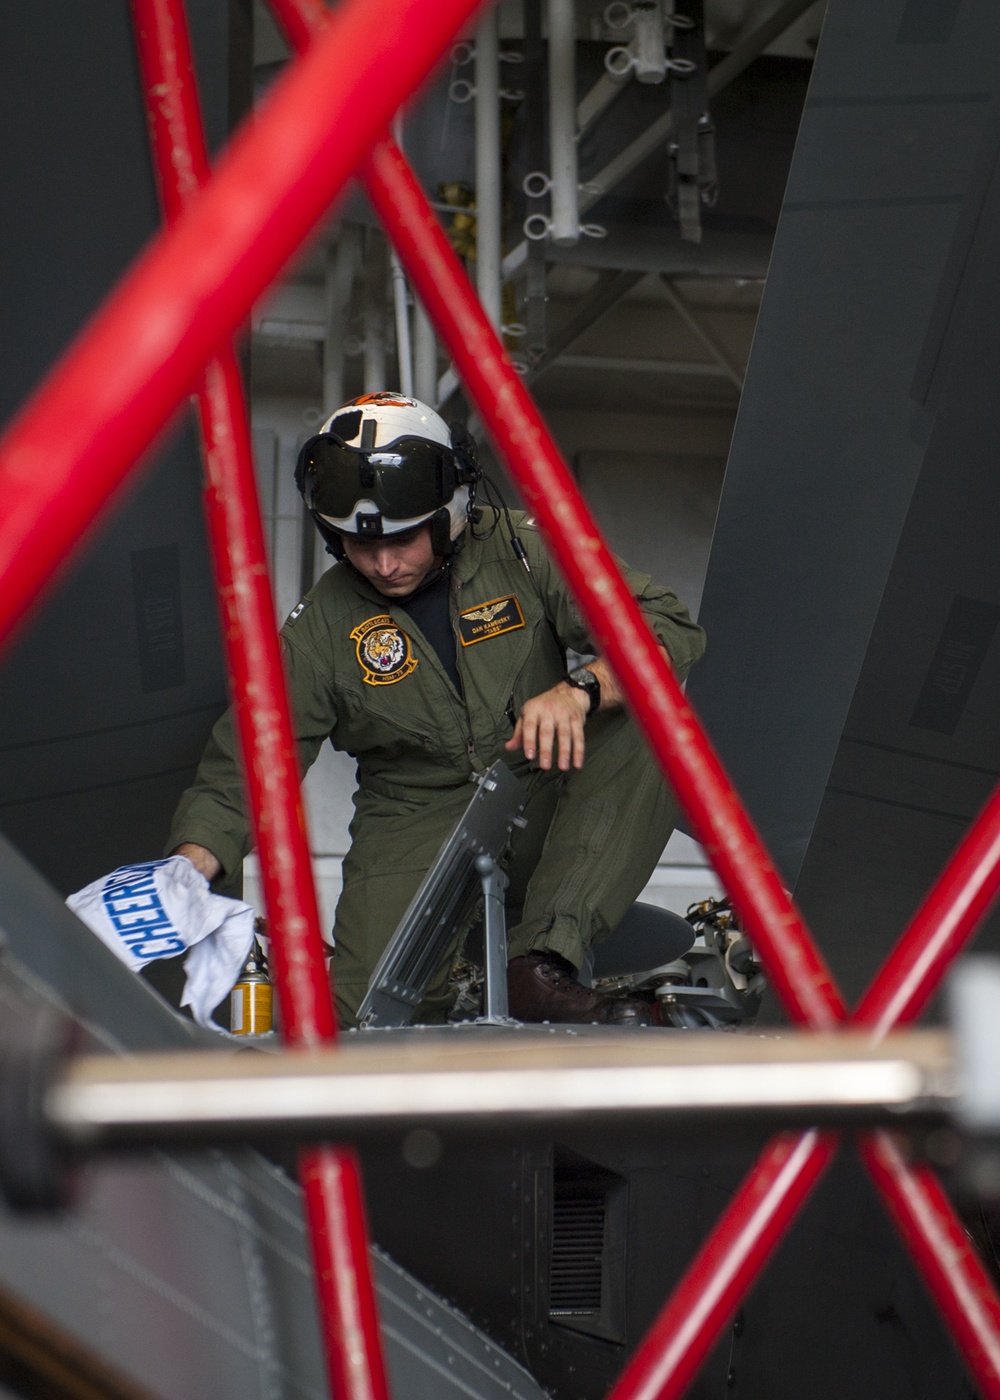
x: 543, y: 987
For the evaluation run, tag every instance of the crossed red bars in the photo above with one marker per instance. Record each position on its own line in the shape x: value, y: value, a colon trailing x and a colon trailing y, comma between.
x: 116, y: 388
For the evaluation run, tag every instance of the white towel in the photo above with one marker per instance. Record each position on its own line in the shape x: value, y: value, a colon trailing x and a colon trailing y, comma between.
x: 160, y: 908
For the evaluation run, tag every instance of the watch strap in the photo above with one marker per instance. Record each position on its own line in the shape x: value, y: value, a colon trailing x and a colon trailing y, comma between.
x: 583, y: 678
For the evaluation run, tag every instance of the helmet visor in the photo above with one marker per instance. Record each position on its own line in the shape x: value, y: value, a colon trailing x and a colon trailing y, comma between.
x: 410, y: 477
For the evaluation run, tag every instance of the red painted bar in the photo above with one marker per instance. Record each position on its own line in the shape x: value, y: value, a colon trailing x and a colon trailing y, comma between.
x: 237, y: 537
x: 342, y: 1267
x: 722, y: 1272
x: 775, y: 926
x: 261, y: 705
x: 768, y: 1200
x: 945, y: 921
x: 300, y: 19
x: 173, y: 112
x: 724, y: 1269
x: 341, y: 1262
x: 673, y: 1349
x: 951, y: 1268
x: 338, y: 1232
x: 727, y: 1264
x: 117, y: 386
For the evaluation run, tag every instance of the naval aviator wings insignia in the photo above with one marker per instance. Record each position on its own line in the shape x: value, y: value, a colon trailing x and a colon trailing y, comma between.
x: 486, y: 614
x: 490, y: 619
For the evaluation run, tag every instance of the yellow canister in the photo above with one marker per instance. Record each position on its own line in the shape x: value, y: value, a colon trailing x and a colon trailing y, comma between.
x: 250, y: 1001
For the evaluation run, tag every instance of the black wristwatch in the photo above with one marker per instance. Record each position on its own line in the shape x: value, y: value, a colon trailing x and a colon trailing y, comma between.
x: 584, y: 679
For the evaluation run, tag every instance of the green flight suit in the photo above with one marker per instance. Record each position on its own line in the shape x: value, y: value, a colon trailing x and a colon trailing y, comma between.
x: 361, y: 674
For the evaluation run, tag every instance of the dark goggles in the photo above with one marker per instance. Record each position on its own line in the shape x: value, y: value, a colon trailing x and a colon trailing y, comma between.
x: 409, y: 477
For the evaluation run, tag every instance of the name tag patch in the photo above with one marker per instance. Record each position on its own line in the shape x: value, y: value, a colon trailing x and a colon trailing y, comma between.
x: 489, y: 620
x: 383, y: 651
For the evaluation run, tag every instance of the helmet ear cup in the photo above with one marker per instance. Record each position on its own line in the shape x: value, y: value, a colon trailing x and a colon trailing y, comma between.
x: 334, y: 540
x: 303, y: 464
x: 441, y: 540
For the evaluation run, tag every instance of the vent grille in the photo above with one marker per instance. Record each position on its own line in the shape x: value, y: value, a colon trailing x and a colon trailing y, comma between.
x: 577, y: 1255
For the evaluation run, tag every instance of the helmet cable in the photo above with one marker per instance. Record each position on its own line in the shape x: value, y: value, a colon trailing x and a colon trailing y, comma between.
x: 498, y: 506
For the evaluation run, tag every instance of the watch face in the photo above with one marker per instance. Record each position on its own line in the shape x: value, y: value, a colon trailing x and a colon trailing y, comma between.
x: 586, y: 680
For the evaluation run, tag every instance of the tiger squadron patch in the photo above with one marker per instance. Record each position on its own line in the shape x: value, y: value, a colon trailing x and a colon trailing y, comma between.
x: 383, y: 649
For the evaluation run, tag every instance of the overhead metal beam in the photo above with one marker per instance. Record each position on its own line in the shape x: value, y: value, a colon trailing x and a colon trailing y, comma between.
x: 693, y: 324
x: 755, y: 43
x: 719, y: 77
x: 374, y: 294
x: 606, y: 292
x: 489, y: 182
x: 342, y: 262
x: 621, y: 364
x: 598, y: 99
x: 401, y: 310
x: 564, y: 193
x: 424, y: 355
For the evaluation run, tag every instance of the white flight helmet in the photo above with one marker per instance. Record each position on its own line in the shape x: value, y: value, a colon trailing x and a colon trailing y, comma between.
x: 383, y: 464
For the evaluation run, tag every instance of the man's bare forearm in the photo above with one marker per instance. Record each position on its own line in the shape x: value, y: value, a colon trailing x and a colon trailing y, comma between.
x: 201, y: 858
x: 612, y: 694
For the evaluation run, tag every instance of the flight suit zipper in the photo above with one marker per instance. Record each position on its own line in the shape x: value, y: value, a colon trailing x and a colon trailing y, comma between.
x: 470, y: 742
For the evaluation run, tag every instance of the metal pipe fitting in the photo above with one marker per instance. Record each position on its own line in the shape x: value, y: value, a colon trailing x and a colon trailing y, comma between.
x: 488, y: 193
x: 565, y: 218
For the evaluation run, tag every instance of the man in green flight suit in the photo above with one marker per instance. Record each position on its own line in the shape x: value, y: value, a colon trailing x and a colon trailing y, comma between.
x: 436, y: 646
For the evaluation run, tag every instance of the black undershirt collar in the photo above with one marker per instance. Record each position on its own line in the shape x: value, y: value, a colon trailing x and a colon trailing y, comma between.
x: 430, y: 608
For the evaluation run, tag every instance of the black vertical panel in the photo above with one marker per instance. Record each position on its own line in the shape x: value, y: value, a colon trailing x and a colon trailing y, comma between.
x: 920, y: 751
x: 159, y: 616
x: 928, y: 21
x: 108, y: 691
x: 829, y: 441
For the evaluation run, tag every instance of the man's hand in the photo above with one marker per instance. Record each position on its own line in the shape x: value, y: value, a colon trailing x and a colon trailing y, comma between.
x: 201, y: 858
x: 553, y: 721
x: 551, y: 726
